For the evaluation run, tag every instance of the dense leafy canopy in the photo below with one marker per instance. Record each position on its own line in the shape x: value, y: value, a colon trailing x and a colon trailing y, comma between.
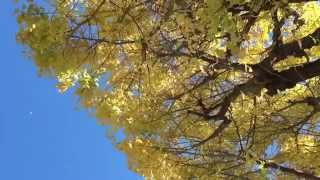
x: 202, y: 89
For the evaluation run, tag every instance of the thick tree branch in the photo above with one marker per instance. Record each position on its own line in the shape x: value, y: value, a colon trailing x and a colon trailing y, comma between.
x: 289, y: 78
x: 298, y: 173
x: 296, y: 48
x: 282, y: 51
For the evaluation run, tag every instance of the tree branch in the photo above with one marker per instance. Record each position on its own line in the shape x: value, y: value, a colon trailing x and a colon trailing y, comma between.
x: 222, y: 114
x: 289, y: 78
x: 293, y: 171
x: 296, y: 48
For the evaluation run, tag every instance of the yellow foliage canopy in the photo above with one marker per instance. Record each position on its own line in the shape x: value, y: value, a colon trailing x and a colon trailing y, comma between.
x: 204, y: 89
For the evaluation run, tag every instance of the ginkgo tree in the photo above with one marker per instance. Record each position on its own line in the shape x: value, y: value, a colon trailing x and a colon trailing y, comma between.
x: 202, y: 89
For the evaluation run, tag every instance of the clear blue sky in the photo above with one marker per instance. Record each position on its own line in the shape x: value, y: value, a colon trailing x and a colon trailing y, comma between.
x: 43, y: 135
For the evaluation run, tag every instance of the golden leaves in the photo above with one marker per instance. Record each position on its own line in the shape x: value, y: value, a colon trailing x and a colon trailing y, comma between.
x: 163, y: 77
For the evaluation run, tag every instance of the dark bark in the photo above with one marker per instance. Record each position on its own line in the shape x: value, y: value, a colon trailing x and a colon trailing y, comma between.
x: 275, y: 81
x: 296, y: 48
x: 225, y: 104
x: 292, y: 171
